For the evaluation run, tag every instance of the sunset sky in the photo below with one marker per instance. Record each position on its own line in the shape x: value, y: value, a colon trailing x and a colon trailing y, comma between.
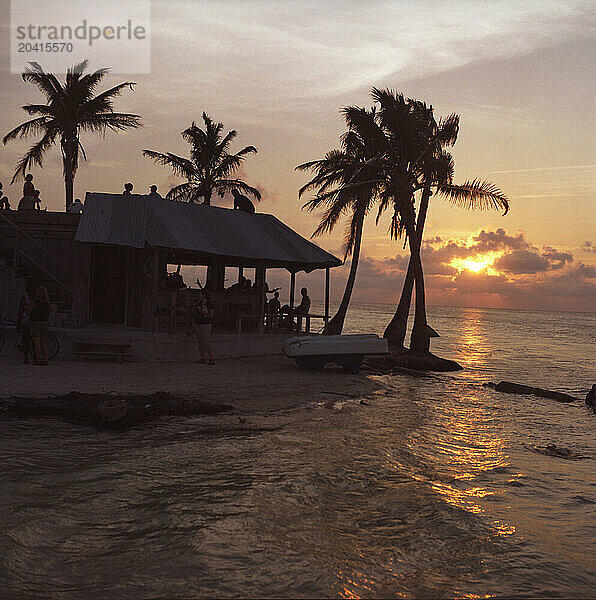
x: 518, y: 73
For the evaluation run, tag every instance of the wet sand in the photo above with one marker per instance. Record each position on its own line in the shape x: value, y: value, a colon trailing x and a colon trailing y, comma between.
x: 260, y: 383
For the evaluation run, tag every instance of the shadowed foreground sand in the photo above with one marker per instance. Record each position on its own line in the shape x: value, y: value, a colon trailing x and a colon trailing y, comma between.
x: 262, y: 383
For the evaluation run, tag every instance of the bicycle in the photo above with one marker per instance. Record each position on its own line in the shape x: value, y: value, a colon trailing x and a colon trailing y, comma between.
x: 10, y: 333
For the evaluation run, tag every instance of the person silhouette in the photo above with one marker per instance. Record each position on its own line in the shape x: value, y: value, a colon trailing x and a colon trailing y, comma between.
x: 28, y: 187
x: 76, y: 207
x: 4, y: 203
x: 127, y: 189
x: 37, y: 200
x: 241, y: 202
x: 153, y: 193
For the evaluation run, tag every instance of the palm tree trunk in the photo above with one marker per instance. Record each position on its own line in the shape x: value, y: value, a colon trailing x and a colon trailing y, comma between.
x: 396, y: 330
x: 336, y: 324
x: 68, y: 157
x: 419, y: 340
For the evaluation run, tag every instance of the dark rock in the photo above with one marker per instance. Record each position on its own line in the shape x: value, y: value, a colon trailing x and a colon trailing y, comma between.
x: 591, y: 398
x: 515, y: 388
x: 422, y: 362
x: 112, y: 410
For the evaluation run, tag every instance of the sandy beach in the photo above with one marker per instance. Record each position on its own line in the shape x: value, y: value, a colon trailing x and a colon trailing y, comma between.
x: 264, y: 383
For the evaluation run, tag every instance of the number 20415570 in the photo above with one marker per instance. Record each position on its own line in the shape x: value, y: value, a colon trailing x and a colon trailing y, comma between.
x: 47, y: 47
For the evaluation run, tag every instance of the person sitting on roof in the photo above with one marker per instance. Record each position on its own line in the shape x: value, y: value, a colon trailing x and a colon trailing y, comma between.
x: 27, y: 202
x: 28, y: 187
x: 241, y: 202
x: 37, y: 200
x: 76, y: 207
x: 153, y: 193
x: 127, y: 189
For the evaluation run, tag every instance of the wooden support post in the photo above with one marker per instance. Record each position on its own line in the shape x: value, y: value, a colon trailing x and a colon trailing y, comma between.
x: 260, y: 279
x: 292, y: 289
x: 17, y: 251
x: 240, y: 274
x: 155, y: 275
x: 126, y: 285
x: 326, y: 295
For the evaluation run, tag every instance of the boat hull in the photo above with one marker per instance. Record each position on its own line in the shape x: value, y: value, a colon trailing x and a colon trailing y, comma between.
x: 314, y: 352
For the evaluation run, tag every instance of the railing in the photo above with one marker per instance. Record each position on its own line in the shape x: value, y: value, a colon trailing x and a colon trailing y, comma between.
x: 19, y: 251
x: 307, y: 319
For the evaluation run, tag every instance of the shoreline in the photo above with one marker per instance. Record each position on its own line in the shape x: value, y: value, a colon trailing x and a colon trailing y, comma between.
x: 251, y: 384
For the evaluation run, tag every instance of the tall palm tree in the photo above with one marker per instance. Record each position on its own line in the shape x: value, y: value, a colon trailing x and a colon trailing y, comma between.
x: 71, y: 108
x: 341, y: 182
x: 210, y: 167
x: 435, y: 176
x: 407, y: 161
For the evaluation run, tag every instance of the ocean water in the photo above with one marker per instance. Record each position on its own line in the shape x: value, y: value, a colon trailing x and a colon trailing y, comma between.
x: 438, y: 487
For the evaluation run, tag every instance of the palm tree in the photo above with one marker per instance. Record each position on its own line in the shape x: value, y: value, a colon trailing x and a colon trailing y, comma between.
x: 210, y: 166
x: 407, y: 160
x: 436, y: 175
x: 341, y: 182
x: 71, y: 108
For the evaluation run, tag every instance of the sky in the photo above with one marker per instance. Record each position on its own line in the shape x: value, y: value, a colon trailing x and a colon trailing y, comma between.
x: 518, y: 73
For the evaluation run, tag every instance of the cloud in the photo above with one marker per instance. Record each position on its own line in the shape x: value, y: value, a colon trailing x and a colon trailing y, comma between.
x: 520, y: 262
x: 519, y: 276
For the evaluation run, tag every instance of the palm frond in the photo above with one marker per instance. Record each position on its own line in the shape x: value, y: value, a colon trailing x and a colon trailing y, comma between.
x: 179, y: 165
x: 476, y: 194
x: 28, y: 128
x: 34, y: 156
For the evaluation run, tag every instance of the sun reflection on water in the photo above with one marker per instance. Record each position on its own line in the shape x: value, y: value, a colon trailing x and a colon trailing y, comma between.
x: 473, y: 348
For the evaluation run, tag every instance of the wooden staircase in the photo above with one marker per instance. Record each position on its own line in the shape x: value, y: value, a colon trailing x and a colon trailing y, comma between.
x: 25, y: 258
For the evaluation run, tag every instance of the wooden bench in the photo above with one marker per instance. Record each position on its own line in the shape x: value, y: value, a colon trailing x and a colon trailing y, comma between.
x: 117, y: 351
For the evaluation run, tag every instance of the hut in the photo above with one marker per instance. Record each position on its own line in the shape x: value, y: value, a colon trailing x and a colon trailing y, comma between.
x: 125, y: 244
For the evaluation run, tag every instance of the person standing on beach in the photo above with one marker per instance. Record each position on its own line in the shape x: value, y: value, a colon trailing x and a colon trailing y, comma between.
x: 23, y: 321
x: 203, y: 310
x: 4, y: 203
x: 38, y: 312
x: 127, y: 189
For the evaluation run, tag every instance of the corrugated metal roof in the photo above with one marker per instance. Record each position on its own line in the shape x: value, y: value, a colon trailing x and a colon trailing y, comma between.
x: 138, y: 220
x: 113, y: 219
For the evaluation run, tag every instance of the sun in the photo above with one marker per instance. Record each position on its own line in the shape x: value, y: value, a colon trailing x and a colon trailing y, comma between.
x: 476, y: 264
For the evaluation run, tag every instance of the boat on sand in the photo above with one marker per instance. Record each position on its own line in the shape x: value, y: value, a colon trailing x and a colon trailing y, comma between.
x: 314, y: 352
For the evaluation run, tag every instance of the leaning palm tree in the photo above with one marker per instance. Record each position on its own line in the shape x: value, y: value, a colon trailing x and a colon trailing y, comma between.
x: 341, y: 183
x: 71, y: 108
x: 210, y: 167
x: 407, y: 161
x: 433, y: 171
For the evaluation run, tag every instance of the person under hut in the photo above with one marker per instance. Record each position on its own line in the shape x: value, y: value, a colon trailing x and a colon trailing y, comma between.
x: 203, y: 313
x: 273, y: 308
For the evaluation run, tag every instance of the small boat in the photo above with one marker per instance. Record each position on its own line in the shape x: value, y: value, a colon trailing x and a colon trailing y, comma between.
x: 314, y: 352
